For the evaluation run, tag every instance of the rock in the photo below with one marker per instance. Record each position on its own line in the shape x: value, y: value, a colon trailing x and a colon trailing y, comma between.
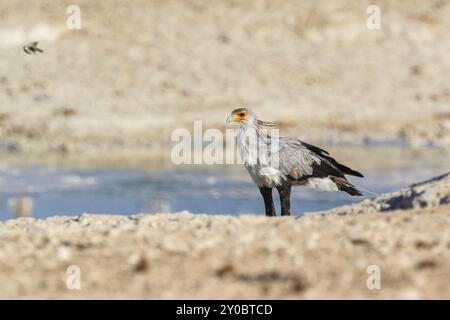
x: 64, y: 253
x: 427, y: 194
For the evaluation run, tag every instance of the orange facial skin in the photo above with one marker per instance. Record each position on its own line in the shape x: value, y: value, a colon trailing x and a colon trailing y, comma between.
x: 239, y: 114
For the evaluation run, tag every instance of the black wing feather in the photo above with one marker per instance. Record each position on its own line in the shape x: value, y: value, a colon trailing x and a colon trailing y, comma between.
x: 325, y: 168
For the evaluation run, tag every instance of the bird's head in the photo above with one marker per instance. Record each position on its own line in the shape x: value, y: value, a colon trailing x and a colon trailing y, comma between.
x: 246, y: 117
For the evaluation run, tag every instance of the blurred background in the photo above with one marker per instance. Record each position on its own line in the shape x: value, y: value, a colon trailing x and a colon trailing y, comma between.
x: 86, y: 125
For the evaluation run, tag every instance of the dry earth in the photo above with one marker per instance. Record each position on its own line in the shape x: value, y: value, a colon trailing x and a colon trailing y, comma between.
x: 117, y: 88
x: 184, y: 255
x: 138, y: 70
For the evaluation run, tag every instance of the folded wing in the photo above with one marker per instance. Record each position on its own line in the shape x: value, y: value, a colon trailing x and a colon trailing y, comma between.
x: 300, y: 161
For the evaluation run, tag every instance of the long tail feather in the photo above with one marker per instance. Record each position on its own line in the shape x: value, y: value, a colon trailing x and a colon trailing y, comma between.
x: 344, y: 185
x: 368, y: 191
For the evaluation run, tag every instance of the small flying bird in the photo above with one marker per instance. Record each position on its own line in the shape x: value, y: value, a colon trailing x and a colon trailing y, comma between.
x: 32, y: 48
x: 296, y: 163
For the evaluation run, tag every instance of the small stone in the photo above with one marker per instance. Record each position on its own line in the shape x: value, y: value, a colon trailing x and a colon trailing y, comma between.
x: 138, y: 262
x: 64, y: 253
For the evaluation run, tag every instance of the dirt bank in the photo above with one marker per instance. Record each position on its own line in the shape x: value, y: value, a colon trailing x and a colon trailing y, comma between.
x: 210, y: 257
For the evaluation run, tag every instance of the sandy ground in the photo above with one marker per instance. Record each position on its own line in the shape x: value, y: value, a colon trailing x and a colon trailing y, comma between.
x: 173, y: 256
x: 114, y: 91
x: 138, y: 70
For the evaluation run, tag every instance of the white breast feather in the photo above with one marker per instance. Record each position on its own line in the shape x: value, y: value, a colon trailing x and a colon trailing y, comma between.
x: 325, y: 184
x: 271, y: 174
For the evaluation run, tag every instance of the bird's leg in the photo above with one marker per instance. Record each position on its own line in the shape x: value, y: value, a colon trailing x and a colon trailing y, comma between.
x: 268, y: 201
x: 285, y: 199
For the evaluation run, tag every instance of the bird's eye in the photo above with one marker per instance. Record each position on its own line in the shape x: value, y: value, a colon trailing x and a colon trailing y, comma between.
x: 242, y: 114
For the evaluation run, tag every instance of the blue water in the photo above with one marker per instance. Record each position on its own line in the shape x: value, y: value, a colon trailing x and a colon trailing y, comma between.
x: 213, y: 190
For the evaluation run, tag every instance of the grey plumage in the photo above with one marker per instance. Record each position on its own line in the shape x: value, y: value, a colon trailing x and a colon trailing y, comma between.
x: 283, y: 162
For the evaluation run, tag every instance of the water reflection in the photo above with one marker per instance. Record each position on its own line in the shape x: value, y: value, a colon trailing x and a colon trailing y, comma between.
x: 42, y: 191
x: 21, y: 206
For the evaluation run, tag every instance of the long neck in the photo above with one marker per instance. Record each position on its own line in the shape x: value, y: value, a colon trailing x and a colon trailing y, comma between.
x: 252, y: 144
x: 253, y: 129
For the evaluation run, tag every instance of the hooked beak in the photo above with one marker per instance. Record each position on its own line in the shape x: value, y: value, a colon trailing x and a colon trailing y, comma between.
x: 231, y: 119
